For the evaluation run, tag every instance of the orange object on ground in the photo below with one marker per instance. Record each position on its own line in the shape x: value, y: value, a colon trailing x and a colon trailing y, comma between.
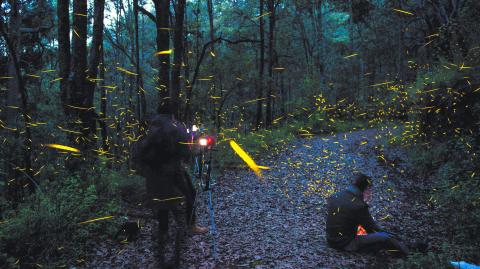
x: 361, y: 230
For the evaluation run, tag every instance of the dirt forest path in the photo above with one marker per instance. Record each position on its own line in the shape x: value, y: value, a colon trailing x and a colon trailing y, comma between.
x: 280, y: 222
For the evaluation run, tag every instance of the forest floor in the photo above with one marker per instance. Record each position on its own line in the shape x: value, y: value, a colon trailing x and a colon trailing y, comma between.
x: 279, y: 221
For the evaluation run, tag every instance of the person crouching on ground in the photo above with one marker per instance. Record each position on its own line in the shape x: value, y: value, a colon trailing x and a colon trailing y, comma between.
x: 346, y: 211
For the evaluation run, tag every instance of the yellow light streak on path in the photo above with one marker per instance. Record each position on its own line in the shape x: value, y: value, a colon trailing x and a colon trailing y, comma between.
x: 350, y: 56
x: 97, y: 219
x: 247, y: 159
x: 403, y: 11
x: 62, y: 147
x: 168, y: 199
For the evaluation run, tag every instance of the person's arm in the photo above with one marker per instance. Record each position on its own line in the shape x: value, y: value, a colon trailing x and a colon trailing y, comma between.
x: 366, y: 220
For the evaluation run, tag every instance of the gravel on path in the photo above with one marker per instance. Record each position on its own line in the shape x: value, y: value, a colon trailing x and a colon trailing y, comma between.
x: 279, y: 221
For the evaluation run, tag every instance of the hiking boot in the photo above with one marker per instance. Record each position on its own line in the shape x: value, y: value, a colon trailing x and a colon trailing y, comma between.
x: 199, y: 229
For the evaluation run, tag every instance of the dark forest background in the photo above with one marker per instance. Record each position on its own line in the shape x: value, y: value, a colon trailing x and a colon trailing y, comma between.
x: 87, y: 73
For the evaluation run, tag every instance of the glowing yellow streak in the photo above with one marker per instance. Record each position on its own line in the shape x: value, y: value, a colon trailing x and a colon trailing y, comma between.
x: 76, y: 33
x: 5, y: 77
x: 403, y: 11
x: 246, y: 158
x: 168, y: 199
x: 264, y: 14
x: 254, y: 100
x: 212, y: 53
x: 48, y: 71
x: 80, y: 14
x: 62, y: 147
x: 380, y: 84
x: 351, y: 55
x: 83, y: 108
x: 57, y: 79
x: 97, y: 219
x: 33, y: 76
x: 126, y: 71
x: 428, y: 43
x: 164, y: 52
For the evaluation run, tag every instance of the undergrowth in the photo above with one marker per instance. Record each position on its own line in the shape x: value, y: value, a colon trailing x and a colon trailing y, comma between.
x: 46, y: 230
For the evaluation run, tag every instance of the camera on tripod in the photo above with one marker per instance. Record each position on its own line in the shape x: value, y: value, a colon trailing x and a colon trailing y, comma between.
x: 200, y: 139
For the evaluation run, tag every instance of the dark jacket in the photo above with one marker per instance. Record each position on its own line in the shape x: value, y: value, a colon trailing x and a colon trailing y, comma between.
x: 346, y: 210
x: 158, y: 157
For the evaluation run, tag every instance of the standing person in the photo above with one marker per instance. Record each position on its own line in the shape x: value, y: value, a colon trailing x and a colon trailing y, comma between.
x: 346, y: 211
x: 160, y: 157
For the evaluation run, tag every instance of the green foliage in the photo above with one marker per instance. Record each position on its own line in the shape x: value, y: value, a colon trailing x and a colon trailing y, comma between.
x: 439, y: 259
x: 45, y: 228
x: 255, y: 143
x: 430, y: 260
x: 455, y: 197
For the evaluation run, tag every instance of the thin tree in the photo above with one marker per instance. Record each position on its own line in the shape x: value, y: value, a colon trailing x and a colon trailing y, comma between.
x: 63, y: 49
x: 90, y: 116
x: 261, y: 68
x: 18, y: 85
x: 269, y: 112
x: 178, y: 54
x: 141, y: 101
x: 162, y: 12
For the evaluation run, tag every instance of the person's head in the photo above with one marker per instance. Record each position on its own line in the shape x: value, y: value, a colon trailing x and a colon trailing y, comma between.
x: 166, y: 109
x: 364, y: 184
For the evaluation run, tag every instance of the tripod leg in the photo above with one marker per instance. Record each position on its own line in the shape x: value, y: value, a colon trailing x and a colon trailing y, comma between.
x: 213, y: 229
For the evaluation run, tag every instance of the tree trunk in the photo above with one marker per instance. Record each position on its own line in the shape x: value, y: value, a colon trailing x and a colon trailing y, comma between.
x: 210, y: 20
x: 177, y: 60
x: 63, y: 49
x: 189, y: 89
x: 162, y: 12
x: 18, y: 89
x: 141, y: 101
x: 259, y: 113
x: 269, y: 112
x: 89, y: 115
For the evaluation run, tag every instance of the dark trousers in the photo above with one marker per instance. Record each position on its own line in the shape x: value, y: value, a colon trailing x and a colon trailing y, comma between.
x: 376, y: 241
x: 164, y: 244
x: 189, y: 193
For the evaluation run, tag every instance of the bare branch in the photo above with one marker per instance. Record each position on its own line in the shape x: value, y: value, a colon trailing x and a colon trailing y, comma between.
x: 147, y: 13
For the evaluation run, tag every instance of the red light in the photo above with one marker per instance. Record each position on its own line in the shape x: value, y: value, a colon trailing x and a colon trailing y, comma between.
x: 206, y: 141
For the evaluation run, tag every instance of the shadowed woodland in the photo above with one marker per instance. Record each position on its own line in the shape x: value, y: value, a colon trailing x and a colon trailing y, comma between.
x: 313, y: 90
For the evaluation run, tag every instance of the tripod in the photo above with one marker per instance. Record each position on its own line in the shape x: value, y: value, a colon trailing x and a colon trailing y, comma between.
x: 202, y: 168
